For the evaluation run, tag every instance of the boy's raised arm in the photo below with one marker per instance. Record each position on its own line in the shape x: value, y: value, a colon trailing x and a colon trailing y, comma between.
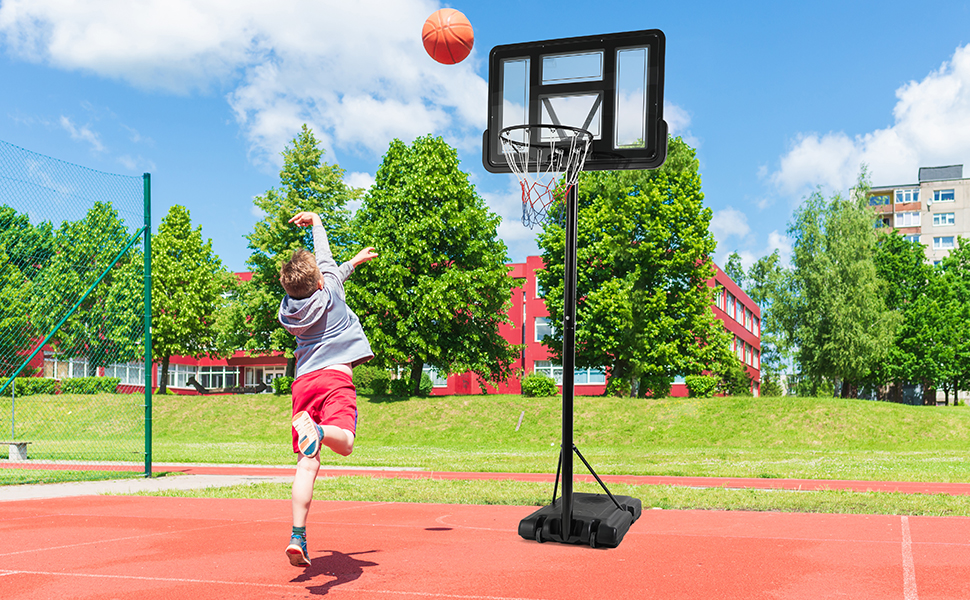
x: 321, y: 244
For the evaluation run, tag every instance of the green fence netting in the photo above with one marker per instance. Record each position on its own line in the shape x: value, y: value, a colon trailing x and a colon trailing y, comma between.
x: 73, y: 318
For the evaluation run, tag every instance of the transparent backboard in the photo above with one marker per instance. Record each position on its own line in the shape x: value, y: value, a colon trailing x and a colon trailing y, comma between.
x: 610, y: 85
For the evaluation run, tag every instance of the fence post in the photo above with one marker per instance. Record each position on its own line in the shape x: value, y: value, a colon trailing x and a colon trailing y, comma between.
x: 148, y: 324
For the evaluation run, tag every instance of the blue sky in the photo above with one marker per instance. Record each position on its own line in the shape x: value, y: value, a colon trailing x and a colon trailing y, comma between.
x: 777, y: 97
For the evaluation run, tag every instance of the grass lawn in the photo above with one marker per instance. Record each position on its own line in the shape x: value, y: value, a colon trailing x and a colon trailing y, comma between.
x: 813, y: 438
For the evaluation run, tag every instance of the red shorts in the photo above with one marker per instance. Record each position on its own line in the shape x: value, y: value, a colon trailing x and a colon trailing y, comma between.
x: 329, y: 397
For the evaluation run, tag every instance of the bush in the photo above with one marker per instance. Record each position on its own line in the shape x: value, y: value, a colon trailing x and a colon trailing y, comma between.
x: 537, y: 385
x: 618, y: 388
x: 426, y: 385
x: 371, y: 380
x: 701, y: 386
x: 90, y: 385
x: 283, y: 386
x: 657, y: 386
x: 401, y: 387
x: 28, y: 386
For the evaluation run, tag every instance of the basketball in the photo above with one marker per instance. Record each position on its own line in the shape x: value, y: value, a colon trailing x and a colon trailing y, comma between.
x: 448, y: 36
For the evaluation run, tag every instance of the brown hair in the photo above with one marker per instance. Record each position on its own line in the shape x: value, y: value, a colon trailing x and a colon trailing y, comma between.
x: 299, y: 276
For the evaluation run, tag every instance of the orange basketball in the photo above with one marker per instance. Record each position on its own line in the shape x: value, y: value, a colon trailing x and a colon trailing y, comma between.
x: 448, y: 36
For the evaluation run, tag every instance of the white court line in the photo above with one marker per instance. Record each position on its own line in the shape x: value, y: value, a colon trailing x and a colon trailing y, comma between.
x: 909, y: 569
x: 291, y: 586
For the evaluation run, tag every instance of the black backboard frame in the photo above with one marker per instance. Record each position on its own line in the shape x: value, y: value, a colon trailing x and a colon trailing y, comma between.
x: 603, y: 155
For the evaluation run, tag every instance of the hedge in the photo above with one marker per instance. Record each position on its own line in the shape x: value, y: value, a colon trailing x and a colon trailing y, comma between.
x: 28, y: 386
x: 90, y: 385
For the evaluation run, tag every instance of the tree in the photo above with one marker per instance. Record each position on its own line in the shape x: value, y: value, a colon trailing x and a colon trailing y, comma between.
x: 643, y: 266
x: 902, y: 264
x: 107, y: 327
x: 734, y: 269
x: 188, y: 282
x: 439, y: 289
x: 839, y: 322
x: 24, y: 250
x: 765, y: 283
x: 307, y: 184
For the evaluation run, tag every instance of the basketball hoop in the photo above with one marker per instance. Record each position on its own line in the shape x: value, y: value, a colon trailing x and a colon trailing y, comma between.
x: 546, y: 159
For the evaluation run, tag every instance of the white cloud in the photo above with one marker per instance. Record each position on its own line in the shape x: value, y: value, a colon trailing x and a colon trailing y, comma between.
x: 931, y: 127
x: 82, y: 133
x: 728, y: 223
x: 355, y: 71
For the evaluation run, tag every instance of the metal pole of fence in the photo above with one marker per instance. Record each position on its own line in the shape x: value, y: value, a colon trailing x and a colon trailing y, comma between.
x: 148, y: 324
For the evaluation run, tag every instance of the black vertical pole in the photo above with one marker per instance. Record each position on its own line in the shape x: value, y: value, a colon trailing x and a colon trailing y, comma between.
x: 569, y: 358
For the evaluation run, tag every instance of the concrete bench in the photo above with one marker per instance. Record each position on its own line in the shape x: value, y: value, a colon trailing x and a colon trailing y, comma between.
x: 18, y: 451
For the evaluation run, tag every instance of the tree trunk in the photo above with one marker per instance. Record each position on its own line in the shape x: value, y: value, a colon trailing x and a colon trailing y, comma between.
x: 163, y: 376
x: 417, y: 368
x: 291, y: 366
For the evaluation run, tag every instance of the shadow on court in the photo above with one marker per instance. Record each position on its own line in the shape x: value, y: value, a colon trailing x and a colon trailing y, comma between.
x: 341, y: 568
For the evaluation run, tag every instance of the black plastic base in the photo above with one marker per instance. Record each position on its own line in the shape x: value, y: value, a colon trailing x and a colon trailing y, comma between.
x: 595, y: 521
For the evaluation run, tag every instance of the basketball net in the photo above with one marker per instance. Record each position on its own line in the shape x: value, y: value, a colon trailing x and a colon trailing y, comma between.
x: 547, y: 160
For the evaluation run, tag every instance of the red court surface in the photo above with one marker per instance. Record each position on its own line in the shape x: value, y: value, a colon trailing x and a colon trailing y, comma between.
x: 170, y: 548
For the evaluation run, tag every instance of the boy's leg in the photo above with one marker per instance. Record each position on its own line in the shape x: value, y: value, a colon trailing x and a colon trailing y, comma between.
x: 338, y: 439
x: 306, y: 474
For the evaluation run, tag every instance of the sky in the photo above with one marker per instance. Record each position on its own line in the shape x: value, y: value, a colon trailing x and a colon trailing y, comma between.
x: 778, y: 98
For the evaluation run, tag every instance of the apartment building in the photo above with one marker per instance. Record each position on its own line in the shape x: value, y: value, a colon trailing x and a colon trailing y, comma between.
x: 934, y: 211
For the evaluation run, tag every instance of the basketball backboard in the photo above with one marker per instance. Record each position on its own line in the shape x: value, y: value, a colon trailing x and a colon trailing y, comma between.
x: 610, y: 85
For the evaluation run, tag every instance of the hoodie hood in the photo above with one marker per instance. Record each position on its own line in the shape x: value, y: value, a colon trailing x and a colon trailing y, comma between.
x: 297, y: 316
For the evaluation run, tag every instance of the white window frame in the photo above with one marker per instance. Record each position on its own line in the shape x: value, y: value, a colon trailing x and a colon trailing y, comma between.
x: 437, y: 379
x: 944, y: 219
x: 941, y: 243
x: 549, y: 369
x: 907, y: 219
x: 545, y: 325
x: 587, y: 376
x: 178, y: 375
x: 132, y: 373
x: 218, y: 376
x: 907, y: 196
x: 944, y: 196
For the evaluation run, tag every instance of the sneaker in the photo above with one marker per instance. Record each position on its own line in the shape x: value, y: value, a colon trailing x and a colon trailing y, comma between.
x: 297, y: 553
x: 308, y: 434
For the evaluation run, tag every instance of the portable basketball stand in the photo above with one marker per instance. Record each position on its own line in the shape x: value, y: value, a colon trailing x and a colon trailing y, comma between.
x: 562, y: 107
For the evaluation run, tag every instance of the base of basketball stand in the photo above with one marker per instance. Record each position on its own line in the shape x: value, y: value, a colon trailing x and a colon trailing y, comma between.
x: 596, y: 521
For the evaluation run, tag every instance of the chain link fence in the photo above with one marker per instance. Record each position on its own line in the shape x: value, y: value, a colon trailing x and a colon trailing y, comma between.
x: 73, y: 283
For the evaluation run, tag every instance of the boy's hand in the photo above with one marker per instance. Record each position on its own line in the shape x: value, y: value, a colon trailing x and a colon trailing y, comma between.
x: 305, y: 218
x: 363, y: 256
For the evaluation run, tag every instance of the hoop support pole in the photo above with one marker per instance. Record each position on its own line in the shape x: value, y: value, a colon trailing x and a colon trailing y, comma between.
x: 569, y: 358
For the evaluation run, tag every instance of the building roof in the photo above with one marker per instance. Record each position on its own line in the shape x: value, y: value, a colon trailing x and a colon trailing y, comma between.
x: 940, y: 173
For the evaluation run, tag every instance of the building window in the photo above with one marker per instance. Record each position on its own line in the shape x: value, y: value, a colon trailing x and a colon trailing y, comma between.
x: 218, y: 377
x: 256, y: 375
x: 547, y: 368
x: 731, y: 307
x: 543, y: 328
x: 580, y: 376
x: 880, y: 200
x: 540, y: 291
x: 757, y: 326
x: 132, y: 373
x: 944, y: 219
x: 907, y: 196
x: 65, y: 368
x: 178, y: 375
x: 912, y: 238
x: 943, y: 243
x: 907, y: 219
x: 589, y: 376
x: 943, y: 196
x: 438, y: 379
x: 882, y: 222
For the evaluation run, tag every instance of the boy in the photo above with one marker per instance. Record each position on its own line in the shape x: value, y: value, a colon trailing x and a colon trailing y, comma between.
x: 329, y: 344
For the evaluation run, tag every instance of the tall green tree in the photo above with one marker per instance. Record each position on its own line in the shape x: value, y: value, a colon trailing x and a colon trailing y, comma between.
x: 307, y: 183
x: 643, y: 266
x: 902, y: 264
x: 765, y: 283
x: 840, y: 323
x: 439, y: 289
x: 188, y: 283
x: 107, y: 327
x: 24, y: 250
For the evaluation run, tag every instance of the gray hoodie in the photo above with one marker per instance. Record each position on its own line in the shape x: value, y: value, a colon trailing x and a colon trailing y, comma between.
x: 327, y: 331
